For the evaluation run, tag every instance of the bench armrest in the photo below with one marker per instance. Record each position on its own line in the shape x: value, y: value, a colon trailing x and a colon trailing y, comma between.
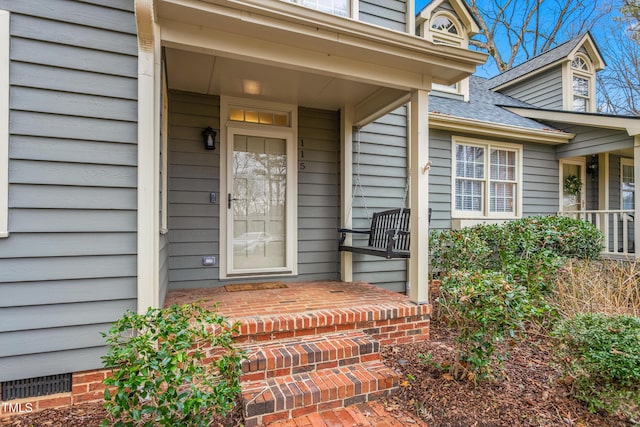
x: 343, y: 233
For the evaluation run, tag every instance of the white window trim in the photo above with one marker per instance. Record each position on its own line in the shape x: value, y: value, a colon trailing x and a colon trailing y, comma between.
x: 487, y: 145
x: 448, y: 39
x: 588, y: 75
x: 352, y: 4
x: 625, y: 162
x: 291, y: 134
x: 4, y: 123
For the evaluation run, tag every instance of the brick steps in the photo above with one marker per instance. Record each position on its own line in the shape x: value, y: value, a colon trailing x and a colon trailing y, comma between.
x: 294, y: 356
x: 290, y: 396
x: 306, y: 355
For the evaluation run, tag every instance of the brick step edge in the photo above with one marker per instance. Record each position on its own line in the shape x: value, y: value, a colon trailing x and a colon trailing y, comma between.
x: 337, y: 319
x: 301, y: 394
x: 313, y: 353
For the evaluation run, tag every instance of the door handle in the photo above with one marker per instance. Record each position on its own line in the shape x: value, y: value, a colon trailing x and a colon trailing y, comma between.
x: 229, y: 200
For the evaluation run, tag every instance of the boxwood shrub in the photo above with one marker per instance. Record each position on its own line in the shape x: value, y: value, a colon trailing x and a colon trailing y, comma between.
x: 601, y: 357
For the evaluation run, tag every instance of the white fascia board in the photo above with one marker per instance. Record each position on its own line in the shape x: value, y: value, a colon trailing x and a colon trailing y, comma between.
x: 284, y: 25
x: 629, y: 124
x: 496, y: 130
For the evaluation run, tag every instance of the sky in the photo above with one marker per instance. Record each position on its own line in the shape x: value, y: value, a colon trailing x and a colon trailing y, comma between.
x: 599, y: 33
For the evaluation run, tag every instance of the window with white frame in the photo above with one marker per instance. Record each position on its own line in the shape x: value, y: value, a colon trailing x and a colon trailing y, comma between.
x: 627, y: 184
x: 334, y: 7
x: 4, y: 123
x: 445, y: 29
x: 487, y: 179
x: 582, y: 77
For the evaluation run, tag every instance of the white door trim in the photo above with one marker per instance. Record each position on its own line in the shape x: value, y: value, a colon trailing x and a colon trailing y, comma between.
x: 290, y: 133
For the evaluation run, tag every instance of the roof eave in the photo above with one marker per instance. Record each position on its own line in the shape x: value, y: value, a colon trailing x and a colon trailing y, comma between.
x: 607, y: 121
x: 498, y: 130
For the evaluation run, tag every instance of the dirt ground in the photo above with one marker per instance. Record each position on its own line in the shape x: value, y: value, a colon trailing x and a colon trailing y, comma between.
x: 530, y: 393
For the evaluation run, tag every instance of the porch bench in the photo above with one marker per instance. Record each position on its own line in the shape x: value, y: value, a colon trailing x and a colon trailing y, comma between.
x: 381, y: 235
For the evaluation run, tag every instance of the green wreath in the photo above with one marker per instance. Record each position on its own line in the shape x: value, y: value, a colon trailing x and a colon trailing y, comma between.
x: 573, y: 185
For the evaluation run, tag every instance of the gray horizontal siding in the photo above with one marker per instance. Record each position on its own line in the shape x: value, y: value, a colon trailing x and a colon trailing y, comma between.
x: 543, y: 90
x: 318, y: 194
x: 592, y: 140
x: 390, y: 14
x: 69, y: 264
x: 380, y: 164
x: 193, y: 174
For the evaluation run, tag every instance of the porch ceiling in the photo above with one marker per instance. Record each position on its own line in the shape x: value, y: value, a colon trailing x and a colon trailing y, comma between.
x: 216, y: 75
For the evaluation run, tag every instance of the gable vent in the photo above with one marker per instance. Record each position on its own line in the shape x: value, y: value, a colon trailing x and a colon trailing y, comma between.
x: 34, y: 387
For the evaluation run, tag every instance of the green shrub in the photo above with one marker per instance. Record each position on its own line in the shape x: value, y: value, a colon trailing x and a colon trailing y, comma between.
x: 486, y: 308
x: 161, y: 374
x: 601, y: 355
x: 529, y: 249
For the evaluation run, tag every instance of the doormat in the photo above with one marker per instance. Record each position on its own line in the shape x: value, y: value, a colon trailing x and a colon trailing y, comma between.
x: 238, y: 287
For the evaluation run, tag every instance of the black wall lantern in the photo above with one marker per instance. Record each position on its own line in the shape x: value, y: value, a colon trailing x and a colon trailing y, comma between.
x: 592, y: 167
x: 209, y: 138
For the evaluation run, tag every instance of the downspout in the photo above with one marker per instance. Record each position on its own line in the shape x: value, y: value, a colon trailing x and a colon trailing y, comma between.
x: 148, y: 241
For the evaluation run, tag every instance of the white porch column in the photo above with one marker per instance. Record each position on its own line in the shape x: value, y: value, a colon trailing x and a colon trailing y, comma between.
x: 346, y: 187
x: 419, y: 201
x: 148, y: 157
x: 636, y: 179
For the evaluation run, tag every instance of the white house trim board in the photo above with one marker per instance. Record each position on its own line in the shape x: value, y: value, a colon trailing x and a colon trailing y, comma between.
x: 346, y: 188
x: 629, y: 124
x: 334, y: 42
x: 4, y: 123
x: 636, y: 177
x: 419, y: 197
x: 495, y: 130
x: 148, y: 225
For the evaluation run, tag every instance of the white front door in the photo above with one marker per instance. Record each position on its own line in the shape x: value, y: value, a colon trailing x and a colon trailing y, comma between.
x: 572, y: 180
x: 258, y: 202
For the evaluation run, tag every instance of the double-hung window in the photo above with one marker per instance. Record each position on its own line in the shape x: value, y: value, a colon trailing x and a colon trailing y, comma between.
x: 487, y: 179
x: 334, y: 7
x: 581, y: 84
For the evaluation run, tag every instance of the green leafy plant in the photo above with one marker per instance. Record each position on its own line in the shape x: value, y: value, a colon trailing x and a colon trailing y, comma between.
x: 600, y: 355
x: 488, y: 310
x: 163, y: 369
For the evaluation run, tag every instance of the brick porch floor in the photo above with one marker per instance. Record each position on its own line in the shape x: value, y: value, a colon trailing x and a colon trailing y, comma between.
x: 313, y: 349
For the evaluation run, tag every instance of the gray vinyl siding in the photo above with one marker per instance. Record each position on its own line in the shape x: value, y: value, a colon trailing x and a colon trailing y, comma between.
x: 318, y: 194
x: 543, y: 90
x: 194, y: 173
x: 69, y: 264
x: 382, y: 171
x: 539, y: 186
x: 390, y: 14
x: 592, y: 140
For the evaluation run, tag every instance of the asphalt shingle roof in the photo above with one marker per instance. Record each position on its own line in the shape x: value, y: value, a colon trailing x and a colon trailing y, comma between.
x: 483, y: 106
x: 549, y: 57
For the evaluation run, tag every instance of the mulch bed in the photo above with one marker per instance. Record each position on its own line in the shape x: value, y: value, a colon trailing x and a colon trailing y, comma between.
x: 530, y: 392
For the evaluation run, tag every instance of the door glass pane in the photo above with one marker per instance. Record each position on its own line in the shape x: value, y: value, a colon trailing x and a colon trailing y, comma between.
x: 571, y: 200
x: 628, y: 187
x: 259, y: 201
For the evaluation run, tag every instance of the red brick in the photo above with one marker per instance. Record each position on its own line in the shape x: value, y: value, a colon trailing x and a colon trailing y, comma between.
x: 88, y: 377
x: 54, y: 401
x: 88, y: 397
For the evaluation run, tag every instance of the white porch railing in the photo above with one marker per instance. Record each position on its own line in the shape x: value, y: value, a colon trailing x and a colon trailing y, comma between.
x: 616, y: 225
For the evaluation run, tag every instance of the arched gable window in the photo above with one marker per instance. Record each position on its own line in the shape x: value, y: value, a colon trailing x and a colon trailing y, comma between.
x: 582, y: 83
x: 446, y: 29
